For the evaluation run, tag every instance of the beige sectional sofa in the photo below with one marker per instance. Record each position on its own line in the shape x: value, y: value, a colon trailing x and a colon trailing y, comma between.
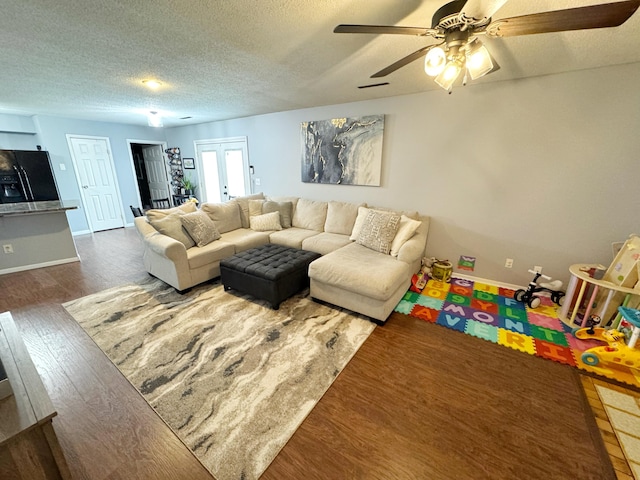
x: 368, y: 254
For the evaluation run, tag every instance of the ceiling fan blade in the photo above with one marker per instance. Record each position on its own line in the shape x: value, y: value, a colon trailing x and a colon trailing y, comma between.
x: 580, y: 18
x: 480, y: 11
x: 384, y: 29
x: 403, y: 61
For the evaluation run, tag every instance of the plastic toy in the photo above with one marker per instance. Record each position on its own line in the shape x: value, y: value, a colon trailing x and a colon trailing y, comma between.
x: 529, y: 296
x: 616, y: 352
x: 419, y: 280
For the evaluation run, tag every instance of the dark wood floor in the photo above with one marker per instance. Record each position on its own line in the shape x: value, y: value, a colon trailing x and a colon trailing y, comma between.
x: 418, y: 401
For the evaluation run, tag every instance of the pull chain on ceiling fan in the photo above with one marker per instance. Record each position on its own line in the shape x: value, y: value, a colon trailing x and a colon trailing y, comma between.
x: 458, y: 25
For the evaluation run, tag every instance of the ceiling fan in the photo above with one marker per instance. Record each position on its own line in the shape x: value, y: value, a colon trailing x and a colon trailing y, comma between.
x: 459, y: 24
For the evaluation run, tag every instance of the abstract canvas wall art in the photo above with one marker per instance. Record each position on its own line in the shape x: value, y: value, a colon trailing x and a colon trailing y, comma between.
x: 343, y: 151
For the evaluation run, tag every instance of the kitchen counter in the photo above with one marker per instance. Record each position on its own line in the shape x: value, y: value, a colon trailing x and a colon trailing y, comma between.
x: 35, y: 235
x: 28, y: 208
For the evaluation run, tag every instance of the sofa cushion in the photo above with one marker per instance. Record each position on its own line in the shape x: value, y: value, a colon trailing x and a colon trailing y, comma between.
x: 310, y: 214
x: 200, y: 227
x: 285, y: 209
x: 265, y: 222
x: 291, y: 237
x: 406, y: 230
x: 378, y: 231
x: 341, y: 217
x: 171, y: 226
x: 225, y: 215
x: 325, y: 242
x: 244, y: 239
x: 243, y: 202
x: 255, y: 208
x: 155, y: 213
x: 210, y: 253
x: 358, y: 269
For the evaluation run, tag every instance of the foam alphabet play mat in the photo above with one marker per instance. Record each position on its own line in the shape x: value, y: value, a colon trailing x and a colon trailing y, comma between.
x: 491, y: 313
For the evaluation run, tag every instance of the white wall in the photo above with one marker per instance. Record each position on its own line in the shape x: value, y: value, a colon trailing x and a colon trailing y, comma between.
x: 541, y: 170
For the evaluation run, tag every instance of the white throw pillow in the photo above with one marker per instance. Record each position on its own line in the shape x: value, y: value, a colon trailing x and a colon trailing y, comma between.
x: 200, y: 227
x: 265, y: 222
x: 225, y: 215
x: 406, y: 230
x: 378, y: 231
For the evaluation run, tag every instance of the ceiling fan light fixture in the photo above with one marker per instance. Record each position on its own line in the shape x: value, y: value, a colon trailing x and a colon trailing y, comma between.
x: 435, y: 61
x: 450, y: 74
x: 479, y: 61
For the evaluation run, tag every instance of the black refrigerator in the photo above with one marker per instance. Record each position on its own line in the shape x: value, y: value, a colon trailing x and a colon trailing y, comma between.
x: 26, y: 176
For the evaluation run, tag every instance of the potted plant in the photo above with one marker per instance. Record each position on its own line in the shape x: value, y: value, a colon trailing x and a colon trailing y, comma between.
x: 188, y: 185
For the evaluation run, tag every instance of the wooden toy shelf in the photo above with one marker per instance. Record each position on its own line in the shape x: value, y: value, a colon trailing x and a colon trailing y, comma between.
x: 582, y: 283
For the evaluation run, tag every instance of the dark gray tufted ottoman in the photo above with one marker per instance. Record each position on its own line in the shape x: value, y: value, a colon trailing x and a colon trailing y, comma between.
x: 269, y: 272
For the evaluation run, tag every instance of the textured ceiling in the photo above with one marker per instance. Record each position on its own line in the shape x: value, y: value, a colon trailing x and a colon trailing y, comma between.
x: 233, y: 58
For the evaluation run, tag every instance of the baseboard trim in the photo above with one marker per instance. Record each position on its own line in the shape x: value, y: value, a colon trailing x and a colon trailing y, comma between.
x: 39, y: 265
x: 81, y: 232
x: 486, y: 280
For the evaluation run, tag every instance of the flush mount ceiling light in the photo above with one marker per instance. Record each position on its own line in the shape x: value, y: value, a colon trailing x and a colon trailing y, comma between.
x: 458, y: 25
x: 152, y: 84
x: 154, y: 119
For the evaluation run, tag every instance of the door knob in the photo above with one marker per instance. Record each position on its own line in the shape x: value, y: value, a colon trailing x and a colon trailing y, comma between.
x: 85, y: 186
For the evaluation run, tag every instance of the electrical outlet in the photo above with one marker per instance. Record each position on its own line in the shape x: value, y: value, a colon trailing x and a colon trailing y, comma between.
x: 8, y: 248
x: 508, y: 263
x: 537, y: 269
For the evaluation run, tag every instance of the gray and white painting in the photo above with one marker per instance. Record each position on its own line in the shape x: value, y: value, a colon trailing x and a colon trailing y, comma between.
x: 343, y: 151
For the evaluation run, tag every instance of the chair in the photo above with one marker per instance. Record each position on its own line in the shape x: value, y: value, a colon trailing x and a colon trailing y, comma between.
x: 161, y: 203
x: 137, y: 212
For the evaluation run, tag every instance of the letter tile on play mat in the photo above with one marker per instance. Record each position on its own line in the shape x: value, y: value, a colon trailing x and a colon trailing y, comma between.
x: 513, y: 313
x: 547, y: 310
x: 484, y: 306
x: 486, y: 288
x: 404, y: 306
x: 411, y: 297
x: 544, y: 321
x: 516, y: 341
x: 581, y: 345
x: 485, y: 317
x: 430, y: 302
x: 514, y: 326
x: 554, y: 352
x: 510, y: 302
x: 425, y: 313
x: 452, y: 321
x: 459, y: 310
x: 482, y: 330
x: 460, y: 290
x: 548, y: 335
x: 506, y: 292
x: 434, y: 292
x: 485, y: 296
x: 458, y: 299
x: 444, y: 286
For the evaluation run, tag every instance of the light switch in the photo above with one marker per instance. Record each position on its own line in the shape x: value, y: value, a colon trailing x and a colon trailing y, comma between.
x: 257, y: 180
x: 63, y: 166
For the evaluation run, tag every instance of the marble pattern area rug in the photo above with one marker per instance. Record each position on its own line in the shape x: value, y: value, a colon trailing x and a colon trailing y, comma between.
x: 233, y: 378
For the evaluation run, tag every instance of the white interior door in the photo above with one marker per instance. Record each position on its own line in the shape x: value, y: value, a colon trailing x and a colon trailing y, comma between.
x: 224, y: 167
x: 96, y: 176
x: 156, y: 172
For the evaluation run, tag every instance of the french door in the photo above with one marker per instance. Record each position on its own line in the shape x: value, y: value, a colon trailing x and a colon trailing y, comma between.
x: 224, y: 169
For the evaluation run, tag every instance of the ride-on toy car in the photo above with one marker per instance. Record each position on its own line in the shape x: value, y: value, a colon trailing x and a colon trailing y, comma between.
x: 530, y: 297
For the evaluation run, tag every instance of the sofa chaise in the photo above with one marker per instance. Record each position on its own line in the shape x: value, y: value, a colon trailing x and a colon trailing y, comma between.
x: 368, y: 253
